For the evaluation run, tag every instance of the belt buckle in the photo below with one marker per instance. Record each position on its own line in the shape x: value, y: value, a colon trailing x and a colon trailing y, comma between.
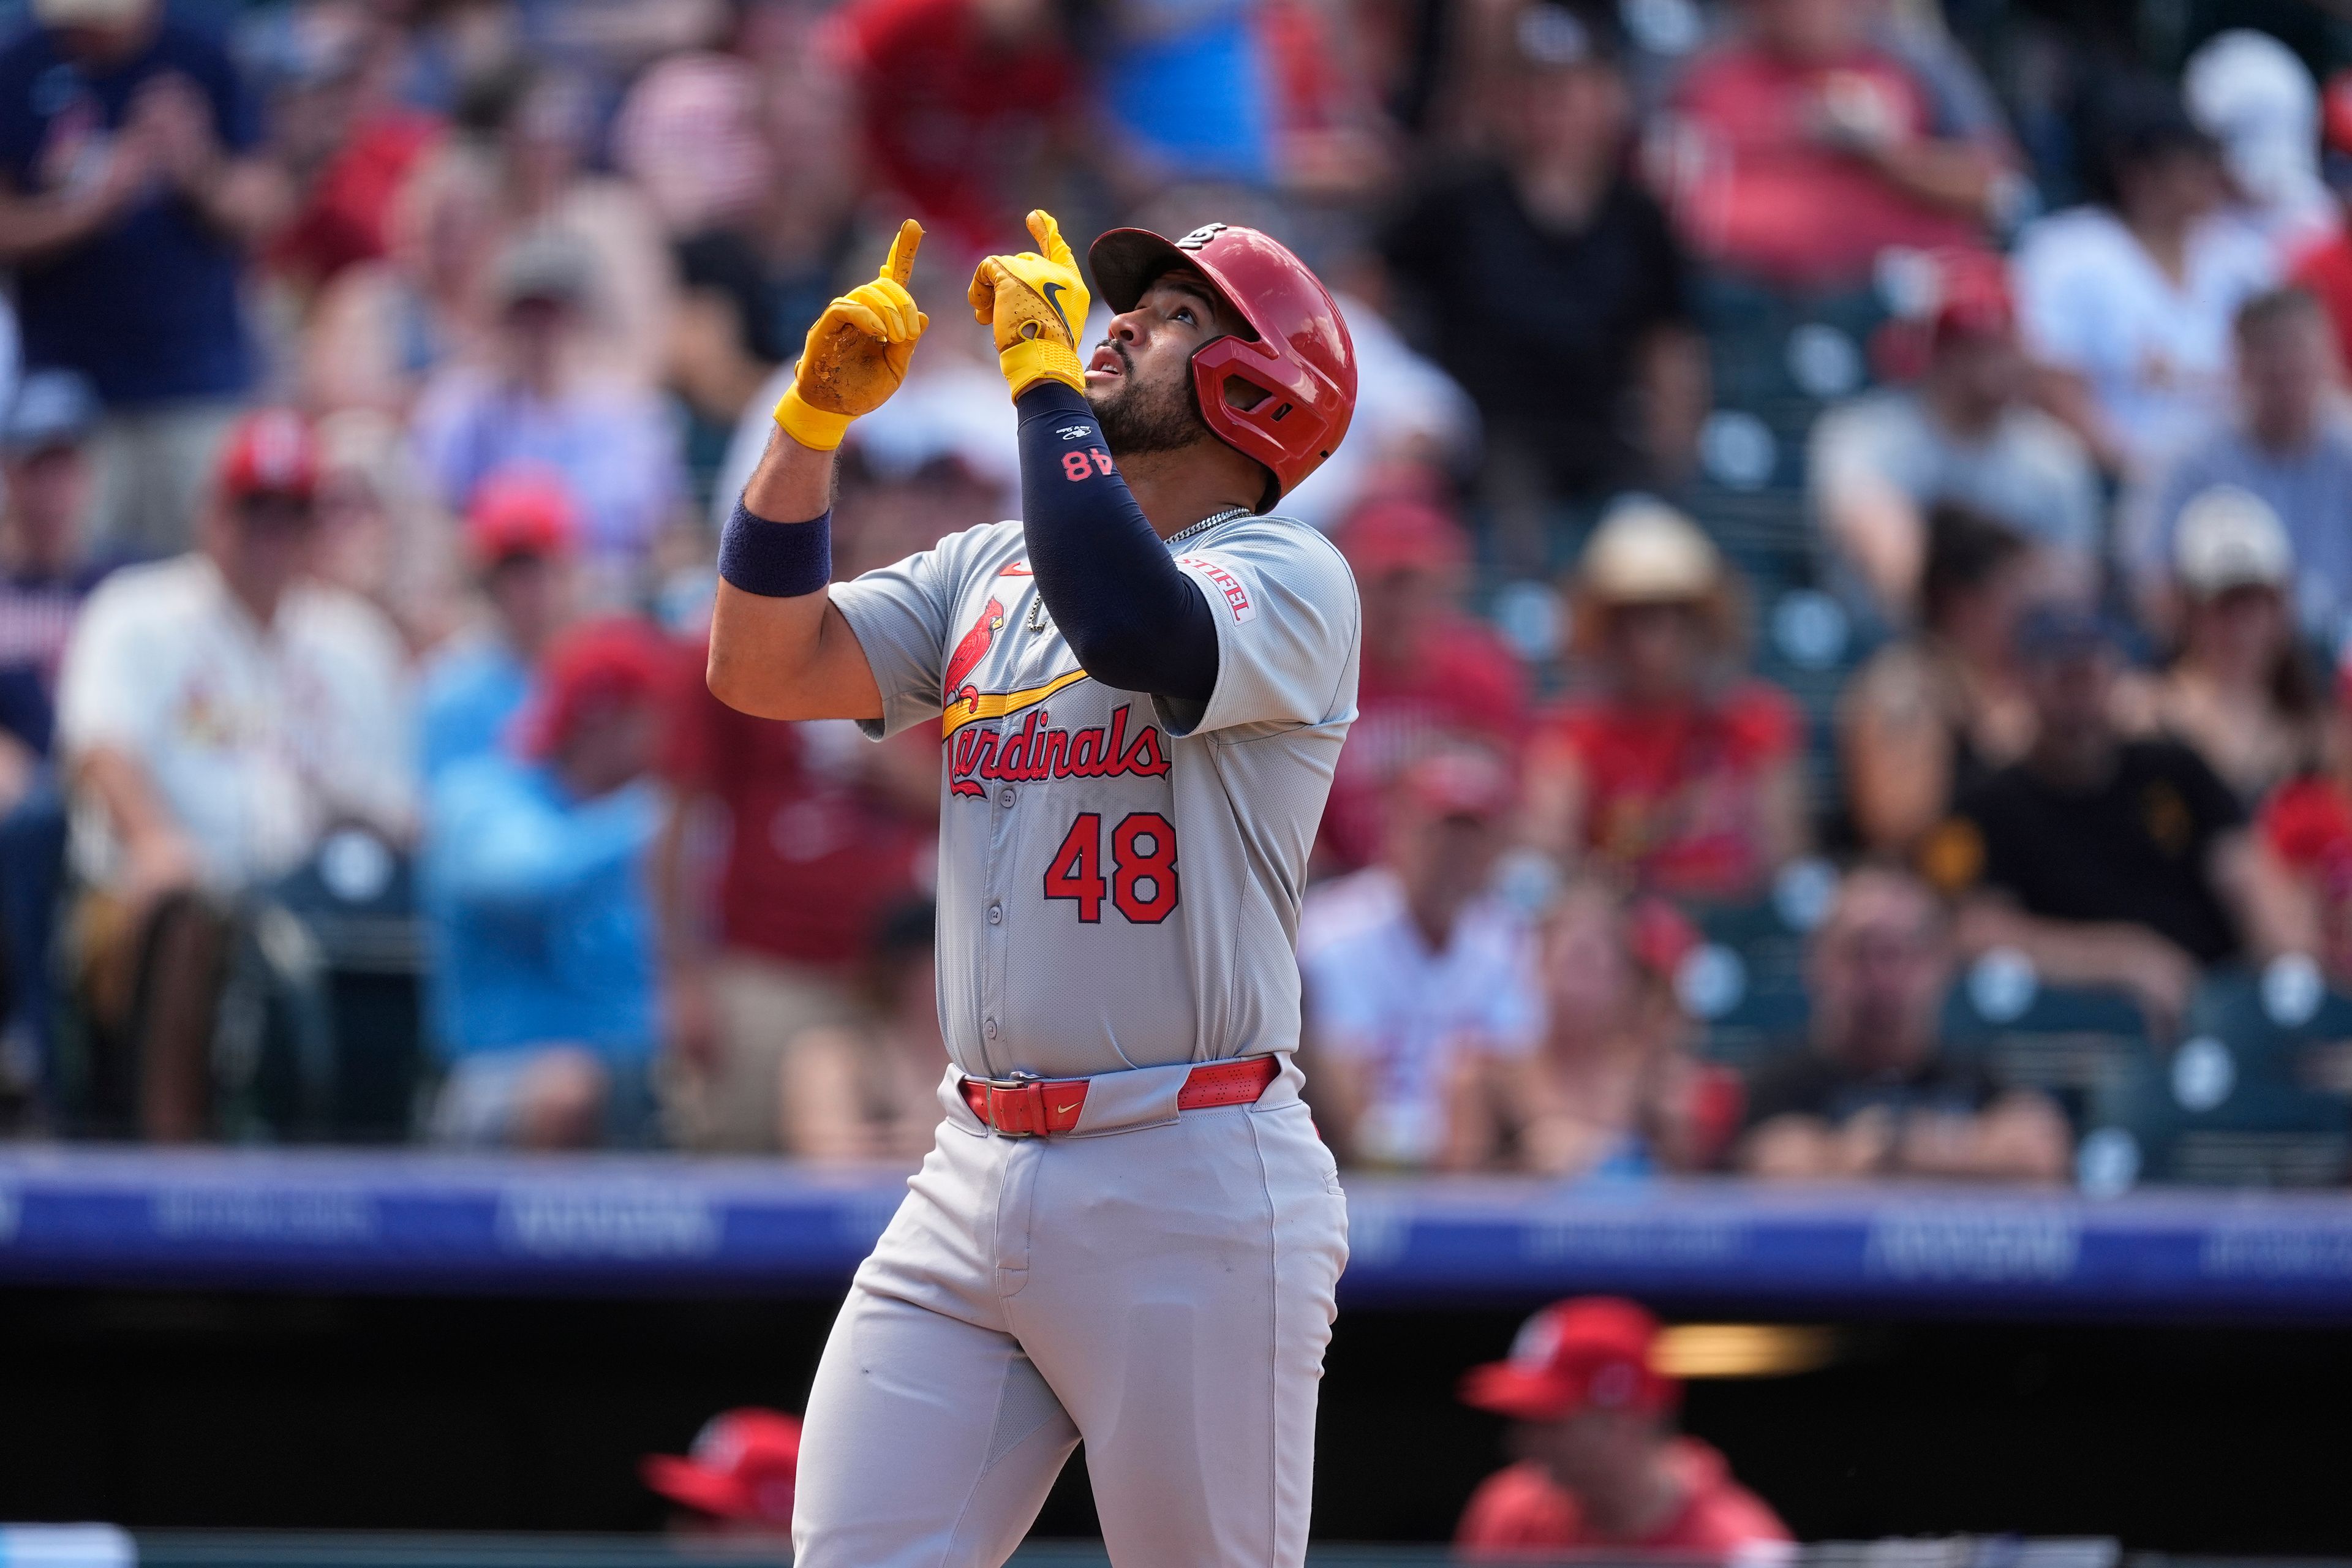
x: 1016, y: 1104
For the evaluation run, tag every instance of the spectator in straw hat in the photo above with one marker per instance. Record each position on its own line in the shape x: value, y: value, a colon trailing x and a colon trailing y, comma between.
x: 2239, y: 690
x: 1668, y: 763
x: 1600, y: 1469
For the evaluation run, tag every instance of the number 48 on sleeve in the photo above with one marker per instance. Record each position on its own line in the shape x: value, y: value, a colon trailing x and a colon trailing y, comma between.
x: 1142, y: 881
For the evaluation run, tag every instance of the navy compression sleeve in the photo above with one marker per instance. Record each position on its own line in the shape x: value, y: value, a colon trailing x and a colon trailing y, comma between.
x: 1130, y: 613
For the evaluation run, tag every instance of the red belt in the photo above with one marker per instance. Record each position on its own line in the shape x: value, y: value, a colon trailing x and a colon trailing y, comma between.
x: 1041, y: 1106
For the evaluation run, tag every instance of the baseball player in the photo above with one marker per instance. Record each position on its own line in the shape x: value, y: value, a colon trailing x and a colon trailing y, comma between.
x: 1127, y: 1231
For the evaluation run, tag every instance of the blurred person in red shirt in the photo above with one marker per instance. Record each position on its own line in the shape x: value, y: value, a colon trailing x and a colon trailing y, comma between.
x: 964, y: 102
x: 2325, y: 265
x: 1600, y: 1466
x: 347, y: 141
x: 825, y: 834
x: 738, y: 1477
x: 1671, y: 764
x: 1801, y: 149
x: 1613, y: 1088
x: 1430, y: 670
x: 2305, y: 829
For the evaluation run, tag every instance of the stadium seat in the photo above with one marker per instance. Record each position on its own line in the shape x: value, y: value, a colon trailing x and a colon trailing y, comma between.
x: 2247, y: 1097
x: 2069, y: 1042
x: 335, y: 968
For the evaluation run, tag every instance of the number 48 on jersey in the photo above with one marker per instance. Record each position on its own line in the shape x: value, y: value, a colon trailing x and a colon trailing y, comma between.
x: 1142, y: 860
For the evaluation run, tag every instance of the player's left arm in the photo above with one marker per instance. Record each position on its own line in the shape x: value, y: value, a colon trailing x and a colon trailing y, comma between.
x: 1106, y: 575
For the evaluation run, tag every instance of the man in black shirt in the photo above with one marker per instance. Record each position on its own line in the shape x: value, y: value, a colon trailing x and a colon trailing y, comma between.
x: 1594, y: 378
x: 1870, y: 1091
x: 2106, y: 861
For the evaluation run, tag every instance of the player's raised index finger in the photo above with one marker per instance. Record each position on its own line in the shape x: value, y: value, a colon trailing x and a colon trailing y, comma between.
x: 899, y: 264
x: 1048, y: 235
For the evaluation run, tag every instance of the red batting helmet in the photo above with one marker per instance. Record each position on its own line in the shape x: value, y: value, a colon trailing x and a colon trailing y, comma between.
x: 1297, y: 351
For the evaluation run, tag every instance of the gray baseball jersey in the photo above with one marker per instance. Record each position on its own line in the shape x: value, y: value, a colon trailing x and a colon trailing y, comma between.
x: 1119, y: 875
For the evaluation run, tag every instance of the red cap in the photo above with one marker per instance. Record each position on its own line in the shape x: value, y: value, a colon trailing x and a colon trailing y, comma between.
x: 269, y: 452
x: 742, y: 1466
x: 1974, y: 299
x: 1458, y: 782
x: 1589, y: 1353
x: 2336, y: 113
x: 593, y: 665
x: 1400, y: 534
x: 523, y: 509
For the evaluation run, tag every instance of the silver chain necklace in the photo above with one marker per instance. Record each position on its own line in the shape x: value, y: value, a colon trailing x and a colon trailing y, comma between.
x: 1214, y: 517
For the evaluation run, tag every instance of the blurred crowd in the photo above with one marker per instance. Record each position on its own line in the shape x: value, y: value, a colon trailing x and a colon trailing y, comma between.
x: 1851, y: 500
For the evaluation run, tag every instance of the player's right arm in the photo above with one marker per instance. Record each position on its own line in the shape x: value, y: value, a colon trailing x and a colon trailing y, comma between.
x: 788, y: 655
x: 779, y: 647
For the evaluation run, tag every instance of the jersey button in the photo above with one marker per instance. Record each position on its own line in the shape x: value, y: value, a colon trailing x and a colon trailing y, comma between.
x: 988, y: 1028
x: 996, y: 914
x: 1005, y: 797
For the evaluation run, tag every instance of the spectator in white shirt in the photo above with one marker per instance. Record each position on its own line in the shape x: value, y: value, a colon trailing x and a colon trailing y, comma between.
x: 1417, y: 976
x: 2128, y: 303
x: 216, y: 713
x: 1965, y: 434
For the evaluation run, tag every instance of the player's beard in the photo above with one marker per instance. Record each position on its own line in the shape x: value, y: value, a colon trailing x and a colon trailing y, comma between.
x: 1138, y: 417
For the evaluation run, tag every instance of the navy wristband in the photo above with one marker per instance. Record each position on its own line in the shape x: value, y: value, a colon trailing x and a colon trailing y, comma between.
x: 776, y: 560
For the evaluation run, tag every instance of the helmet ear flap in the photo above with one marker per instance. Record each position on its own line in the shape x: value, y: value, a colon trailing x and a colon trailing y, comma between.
x: 1247, y: 400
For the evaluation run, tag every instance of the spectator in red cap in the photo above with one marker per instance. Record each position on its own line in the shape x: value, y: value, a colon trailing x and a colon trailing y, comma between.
x: 535, y: 890
x: 519, y: 529
x: 1431, y: 671
x: 740, y: 1475
x: 1416, y: 973
x: 217, y: 712
x: 1613, y: 1088
x: 1964, y: 432
x: 1599, y: 1466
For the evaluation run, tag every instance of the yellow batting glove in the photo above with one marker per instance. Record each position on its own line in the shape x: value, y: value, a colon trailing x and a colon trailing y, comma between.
x: 1037, y: 303
x: 857, y: 354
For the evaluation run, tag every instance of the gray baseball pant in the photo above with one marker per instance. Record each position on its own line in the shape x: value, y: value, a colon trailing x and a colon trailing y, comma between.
x: 1163, y: 1292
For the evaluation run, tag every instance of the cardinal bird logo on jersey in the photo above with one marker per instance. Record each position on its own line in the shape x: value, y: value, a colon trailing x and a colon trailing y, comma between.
x: 968, y: 655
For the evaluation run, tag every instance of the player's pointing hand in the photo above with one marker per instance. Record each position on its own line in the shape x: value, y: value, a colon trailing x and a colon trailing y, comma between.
x: 1037, y: 303
x: 858, y: 352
